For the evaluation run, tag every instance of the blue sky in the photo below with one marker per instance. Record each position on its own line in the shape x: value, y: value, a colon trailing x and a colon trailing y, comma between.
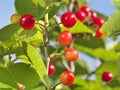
x: 104, y: 6
x: 7, y: 9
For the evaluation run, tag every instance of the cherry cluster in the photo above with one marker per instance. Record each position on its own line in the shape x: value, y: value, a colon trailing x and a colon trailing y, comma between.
x: 69, y: 19
x: 65, y: 39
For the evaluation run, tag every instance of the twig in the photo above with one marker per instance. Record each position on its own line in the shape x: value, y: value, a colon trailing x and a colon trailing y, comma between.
x: 66, y: 65
x: 93, y: 71
x: 72, y: 65
x: 45, y: 37
x: 56, y: 85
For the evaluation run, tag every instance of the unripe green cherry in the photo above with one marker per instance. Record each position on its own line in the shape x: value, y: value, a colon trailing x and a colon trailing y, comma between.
x: 15, y: 18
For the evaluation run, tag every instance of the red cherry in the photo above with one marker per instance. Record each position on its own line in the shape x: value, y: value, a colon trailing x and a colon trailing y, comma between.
x: 99, y: 21
x: 67, y: 78
x: 68, y: 19
x: 71, y: 54
x: 65, y: 38
x: 93, y: 14
x: 98, y: 33
x: 107, y: 76
x: 80, y: 15
x: 85, y: 9
x: 27, y: 21
x: 51, y: 69
x: 21, y: 86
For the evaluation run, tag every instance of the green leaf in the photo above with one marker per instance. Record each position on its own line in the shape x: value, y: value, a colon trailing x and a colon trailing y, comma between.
x: 79, y: 84
x: 116, y: 3
x: 10, y: 31
x: 34, y: 37
x: 83, y: 66
x: 117, y: 47
x: 9, y: 46
x: 40, y: 2
x: 60, y: 68
x: 49, y: 9
x: 82, y: 2
x: 79, y: 27
x: 37, y: 63
x: 15, y: 35
x: 22, y: 55
x: 54, y: 7
x: 102, y: 15
x: 37, y: 8
x: 26, y: 7
x: 21, y: 73
x: 90, y: 41
x: 112, y: 26
x: 6, y: 87
x: 110, y: 65
x: 115, y: 84
x: 99, y: 53
x: 39, y: 88
x: 30, y: 55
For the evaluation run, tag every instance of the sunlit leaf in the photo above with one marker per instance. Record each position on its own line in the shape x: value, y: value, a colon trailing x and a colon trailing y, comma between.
x: 79, y: 27
x: 37, y: 63
x: 112, y: 26
x: 99, y: 53
x: 116, y: 3
x: 21, y: 73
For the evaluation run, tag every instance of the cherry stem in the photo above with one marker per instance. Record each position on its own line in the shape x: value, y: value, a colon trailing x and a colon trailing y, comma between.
x: 45, y: 37
x: 72, y: 65
x: 14, y: 60
x: 55, y: 25
x: 66, y: 64
x: 93, y: 72
x: 10, y: 58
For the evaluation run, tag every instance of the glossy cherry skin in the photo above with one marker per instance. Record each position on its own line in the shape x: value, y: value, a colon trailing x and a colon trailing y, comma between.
x: 93, y: 14
x: 98, y: 33
x: 85, y: 9
x: 15, y: 18
x: 65, y: 38
x: 80, y: 15
x: 27, y: 22
x: 71, y: 54
x: 99, y: 21
x: 107, y: 76
x: 67, y: 78
x: 68, y: 19
x: 51, y: 69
